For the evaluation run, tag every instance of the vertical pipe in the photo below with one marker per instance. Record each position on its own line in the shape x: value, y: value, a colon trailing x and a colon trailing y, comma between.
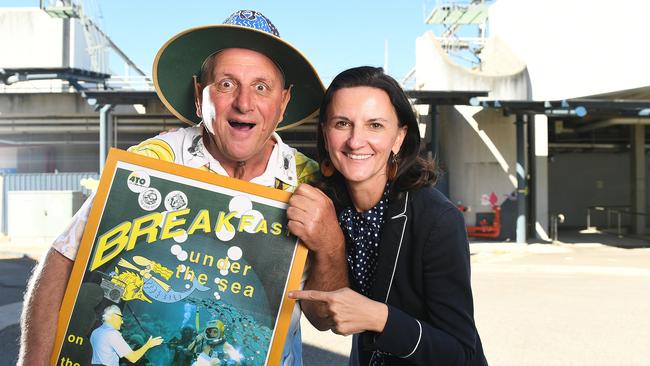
x: 638, y: 179
x: 103, y: 135
x: 433, y: 144
x: 521, y: 180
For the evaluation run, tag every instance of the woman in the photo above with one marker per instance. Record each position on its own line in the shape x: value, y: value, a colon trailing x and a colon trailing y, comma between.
x: 407, y: 251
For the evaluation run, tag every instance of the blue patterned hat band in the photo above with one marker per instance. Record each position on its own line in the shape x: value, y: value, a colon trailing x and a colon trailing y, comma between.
x: 252, y: 19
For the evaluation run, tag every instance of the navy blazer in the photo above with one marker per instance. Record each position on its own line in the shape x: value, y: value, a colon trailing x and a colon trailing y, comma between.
x: 423, y: 275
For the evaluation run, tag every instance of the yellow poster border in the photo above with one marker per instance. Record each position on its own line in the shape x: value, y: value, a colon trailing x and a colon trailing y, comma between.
x: 114, y: 157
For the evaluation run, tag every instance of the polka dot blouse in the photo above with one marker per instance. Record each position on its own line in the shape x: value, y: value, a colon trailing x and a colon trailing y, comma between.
x: 362, y: 233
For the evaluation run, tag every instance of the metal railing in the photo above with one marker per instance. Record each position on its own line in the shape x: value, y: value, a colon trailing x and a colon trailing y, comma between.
x: 555, y: 219
x: 613, y: 211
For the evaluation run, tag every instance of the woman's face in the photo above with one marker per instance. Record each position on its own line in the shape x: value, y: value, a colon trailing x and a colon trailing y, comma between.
x: 360, y: 132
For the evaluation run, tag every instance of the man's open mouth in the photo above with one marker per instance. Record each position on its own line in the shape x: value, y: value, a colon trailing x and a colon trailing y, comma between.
x: 241, y: 125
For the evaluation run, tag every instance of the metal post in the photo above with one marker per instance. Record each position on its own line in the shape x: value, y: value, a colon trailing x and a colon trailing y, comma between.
x: 103, y: 134
x: 638, y: 179
x: 433, y: 144
x: 588, y: 218
x: 619, y: 224
x: 554, y: 228
x: 521, y: 180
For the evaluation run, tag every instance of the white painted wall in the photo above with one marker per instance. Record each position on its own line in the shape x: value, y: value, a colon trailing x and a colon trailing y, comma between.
x: 8, y: 157
x: 436, y: 71
x: 79, y: 55
x: 478, y: 149
x: 477, y: 146
x: 31, y: 38
x: 576, y: 48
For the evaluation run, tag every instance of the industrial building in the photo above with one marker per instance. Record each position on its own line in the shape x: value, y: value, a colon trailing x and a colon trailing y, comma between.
x: 546, y: 120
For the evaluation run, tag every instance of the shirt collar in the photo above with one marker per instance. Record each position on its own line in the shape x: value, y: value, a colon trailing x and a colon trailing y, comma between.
x: 281, y: 165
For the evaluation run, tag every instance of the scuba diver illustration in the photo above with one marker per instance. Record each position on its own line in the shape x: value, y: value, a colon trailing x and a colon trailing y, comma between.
x: 213, y: 348
x: 182, y: 355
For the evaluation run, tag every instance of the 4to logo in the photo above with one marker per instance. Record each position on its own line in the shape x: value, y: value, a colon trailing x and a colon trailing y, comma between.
x: 138, y: 181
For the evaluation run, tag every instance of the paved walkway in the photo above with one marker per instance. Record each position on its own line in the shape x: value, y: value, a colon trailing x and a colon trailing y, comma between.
x: 579, y: 302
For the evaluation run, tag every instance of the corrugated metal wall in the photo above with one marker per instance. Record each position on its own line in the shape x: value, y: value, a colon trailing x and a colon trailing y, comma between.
x: 41, y: 182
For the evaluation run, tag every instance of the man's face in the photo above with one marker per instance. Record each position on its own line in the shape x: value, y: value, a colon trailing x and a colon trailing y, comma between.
x: 212, y: 332
x: 243, y: 103
x: 116, y: 321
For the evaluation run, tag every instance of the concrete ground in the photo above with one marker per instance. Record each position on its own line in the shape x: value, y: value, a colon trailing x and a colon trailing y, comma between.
x: 584, y: 301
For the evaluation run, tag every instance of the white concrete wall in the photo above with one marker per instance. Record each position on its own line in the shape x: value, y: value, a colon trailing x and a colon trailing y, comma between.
x: 8, y: 157
x: 79, y: 55
x: 576, y: 48
x: 31, y: 38
x: 436, y: 71
x: 478, y: 147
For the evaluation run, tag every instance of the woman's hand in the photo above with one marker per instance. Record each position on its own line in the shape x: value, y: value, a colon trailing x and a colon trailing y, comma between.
x: 348, y: 311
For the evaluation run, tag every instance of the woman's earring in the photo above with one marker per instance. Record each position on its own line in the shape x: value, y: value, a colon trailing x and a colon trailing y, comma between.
x: 326, y: 168
x: 392, y: 167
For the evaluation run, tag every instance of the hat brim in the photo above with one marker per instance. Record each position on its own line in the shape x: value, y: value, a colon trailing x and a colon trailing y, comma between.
x: 180, y: 58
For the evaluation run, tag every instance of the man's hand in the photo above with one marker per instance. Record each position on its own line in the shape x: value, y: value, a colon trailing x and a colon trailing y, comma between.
x: 312, y: 218
x: 347, y: 312
x: 136, y: 355
x: 153, y: 342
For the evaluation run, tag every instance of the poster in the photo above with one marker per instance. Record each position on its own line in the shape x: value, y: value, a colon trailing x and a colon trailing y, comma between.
x: 178, y: 250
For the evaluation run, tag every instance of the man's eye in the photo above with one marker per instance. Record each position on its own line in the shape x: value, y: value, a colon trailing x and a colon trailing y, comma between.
x: 376, y: 125
x: 226, y: 84
x: 261, y: 87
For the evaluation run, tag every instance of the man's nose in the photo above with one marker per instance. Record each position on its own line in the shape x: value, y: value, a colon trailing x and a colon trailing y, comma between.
x: 244, y: 100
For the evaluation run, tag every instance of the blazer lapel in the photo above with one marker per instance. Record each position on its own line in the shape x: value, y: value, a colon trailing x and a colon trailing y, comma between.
x: 389, y: 249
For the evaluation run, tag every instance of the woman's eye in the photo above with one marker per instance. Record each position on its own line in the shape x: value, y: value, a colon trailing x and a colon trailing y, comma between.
x: 340, y: 124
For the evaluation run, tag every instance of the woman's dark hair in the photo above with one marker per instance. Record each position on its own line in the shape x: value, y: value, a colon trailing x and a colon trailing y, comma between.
x: 413, y: 171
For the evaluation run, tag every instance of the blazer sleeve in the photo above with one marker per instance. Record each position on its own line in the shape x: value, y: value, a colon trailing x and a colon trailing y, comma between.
x: 450, y: 336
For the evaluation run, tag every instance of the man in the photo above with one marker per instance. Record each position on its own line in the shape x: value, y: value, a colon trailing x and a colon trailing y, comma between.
x: 109, y: 345
x: 242, y: 82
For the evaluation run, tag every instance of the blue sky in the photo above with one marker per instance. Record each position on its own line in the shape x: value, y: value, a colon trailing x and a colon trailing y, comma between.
x: 335, y: 34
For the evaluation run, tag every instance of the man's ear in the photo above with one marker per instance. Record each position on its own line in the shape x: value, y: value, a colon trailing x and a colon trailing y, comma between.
x: 286, y: 97
x: 198, y: 95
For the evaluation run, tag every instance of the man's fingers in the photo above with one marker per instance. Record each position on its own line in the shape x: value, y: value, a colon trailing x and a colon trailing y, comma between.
x: 311, y: 295
x: 311, y: 192
x: 301, y: 202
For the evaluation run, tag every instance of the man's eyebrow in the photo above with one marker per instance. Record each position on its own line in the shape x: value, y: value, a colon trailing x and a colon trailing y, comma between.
x: 264, y: 78
x: 339, y: 117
